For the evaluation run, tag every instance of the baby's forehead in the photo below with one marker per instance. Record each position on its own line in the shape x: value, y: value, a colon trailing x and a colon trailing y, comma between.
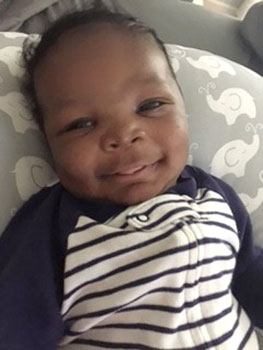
x: 105, y: 40
x: 101, y: 42
x: 101, y: 63
x: 103, y: 34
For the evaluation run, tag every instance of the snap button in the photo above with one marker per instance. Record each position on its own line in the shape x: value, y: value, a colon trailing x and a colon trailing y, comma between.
x: 142, y: 218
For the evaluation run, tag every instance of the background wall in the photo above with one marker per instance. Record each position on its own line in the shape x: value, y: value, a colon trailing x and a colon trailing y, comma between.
x: 236, y: 8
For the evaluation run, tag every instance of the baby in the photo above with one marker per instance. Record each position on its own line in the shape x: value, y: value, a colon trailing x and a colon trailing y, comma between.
x: 132, y: 249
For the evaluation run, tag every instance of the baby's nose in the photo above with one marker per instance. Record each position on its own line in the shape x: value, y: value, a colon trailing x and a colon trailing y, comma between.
x: 122, y: 138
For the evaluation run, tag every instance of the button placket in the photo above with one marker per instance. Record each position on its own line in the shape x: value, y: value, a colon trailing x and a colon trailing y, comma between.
x: 143, y: 218
x: 160, y: 212
x: 139, y: 221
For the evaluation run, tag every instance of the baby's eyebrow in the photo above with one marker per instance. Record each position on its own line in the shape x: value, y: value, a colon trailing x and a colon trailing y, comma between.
x: 63, y: 104
x: 159, y: 81
x: 147, y: 80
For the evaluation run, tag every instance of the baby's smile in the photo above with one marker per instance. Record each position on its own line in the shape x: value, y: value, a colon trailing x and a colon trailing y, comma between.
x: 133, y: 172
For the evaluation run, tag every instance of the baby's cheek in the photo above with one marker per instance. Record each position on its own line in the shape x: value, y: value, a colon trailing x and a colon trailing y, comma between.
x: 71, y: 163
x: 177, y: 145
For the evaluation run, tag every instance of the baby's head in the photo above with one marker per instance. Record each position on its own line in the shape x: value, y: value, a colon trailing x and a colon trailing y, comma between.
x: 108, y: 102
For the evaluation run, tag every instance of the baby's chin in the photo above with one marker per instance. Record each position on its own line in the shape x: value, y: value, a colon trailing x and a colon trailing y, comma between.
x: 128, y: 195
x: 133, y: 196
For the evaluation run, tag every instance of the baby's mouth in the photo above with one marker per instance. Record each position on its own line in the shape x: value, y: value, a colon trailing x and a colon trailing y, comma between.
x: 133, y: 172
x: 130, y: 171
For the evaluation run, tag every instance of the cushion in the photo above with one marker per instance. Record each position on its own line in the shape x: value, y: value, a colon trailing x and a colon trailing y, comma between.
x: 224, y: 107
x: 24, y: 158
x: 225, y: 111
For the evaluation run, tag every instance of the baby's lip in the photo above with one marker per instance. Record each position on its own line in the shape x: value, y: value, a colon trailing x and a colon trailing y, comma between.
x: 130, y: 169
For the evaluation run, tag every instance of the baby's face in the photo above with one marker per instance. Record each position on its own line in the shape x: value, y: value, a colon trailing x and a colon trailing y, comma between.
x: 113, y: 116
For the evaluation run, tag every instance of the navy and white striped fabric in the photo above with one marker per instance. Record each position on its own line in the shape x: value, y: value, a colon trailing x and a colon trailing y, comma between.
x: 156, y: 276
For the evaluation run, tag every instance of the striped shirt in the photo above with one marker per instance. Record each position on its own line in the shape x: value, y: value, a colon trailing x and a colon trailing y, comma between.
x: 156, y: 276
x: 178, y: 271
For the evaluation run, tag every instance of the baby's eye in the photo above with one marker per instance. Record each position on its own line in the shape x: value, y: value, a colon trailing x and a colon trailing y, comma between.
x: 82, y: 123
x: 150, y: 105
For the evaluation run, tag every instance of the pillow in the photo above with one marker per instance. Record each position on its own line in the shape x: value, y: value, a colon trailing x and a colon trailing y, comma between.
x: 224, y: 107
x: 24, y: 157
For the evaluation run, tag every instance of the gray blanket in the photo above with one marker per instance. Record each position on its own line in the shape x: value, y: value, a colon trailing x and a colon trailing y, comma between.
x: 4, y: 4
x: 13, y: 13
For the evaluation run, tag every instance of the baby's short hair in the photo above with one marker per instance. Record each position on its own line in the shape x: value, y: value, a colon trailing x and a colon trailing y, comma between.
x: 97, y: 14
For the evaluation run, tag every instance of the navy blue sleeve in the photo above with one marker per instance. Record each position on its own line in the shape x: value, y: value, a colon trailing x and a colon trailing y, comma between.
x: 31, y: 266
x: 248, y: 277
x: 247, y: 284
